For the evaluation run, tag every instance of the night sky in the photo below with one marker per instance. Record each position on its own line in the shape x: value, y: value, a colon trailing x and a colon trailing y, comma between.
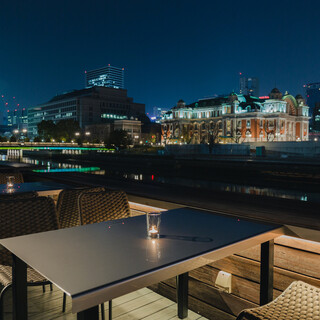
x: 169, y: 49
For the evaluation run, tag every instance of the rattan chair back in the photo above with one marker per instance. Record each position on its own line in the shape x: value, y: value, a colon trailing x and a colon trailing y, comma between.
x: 18, y: 196
x: 18, y: 177
x: 299, y: 301
x: 103, y: 206
x: 67, y: 206
x: 22, y: 217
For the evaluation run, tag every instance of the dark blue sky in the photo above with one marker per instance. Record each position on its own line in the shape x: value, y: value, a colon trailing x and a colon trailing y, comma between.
x: 169, y: 49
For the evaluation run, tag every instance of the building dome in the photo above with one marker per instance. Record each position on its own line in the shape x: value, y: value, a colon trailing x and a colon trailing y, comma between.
x: 289, y: 97
x: 299, y: 96
x: 181, y: 101
x: 291, y: 102
x: 275, y: 94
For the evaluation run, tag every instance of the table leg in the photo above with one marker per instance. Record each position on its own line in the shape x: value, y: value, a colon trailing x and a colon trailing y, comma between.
x: 182, y: 295
x: 266, y: 272
x: 89, y: 314
x: 19, y: 289
x: 110, y: 310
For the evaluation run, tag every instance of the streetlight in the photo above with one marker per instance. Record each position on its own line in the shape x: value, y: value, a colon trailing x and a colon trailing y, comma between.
x: 77, y: 134
x: 87, y: 133
x: 16, y: 131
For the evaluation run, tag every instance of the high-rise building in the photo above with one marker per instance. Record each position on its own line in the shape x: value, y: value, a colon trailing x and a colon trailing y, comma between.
x: 249, y: 86
x: 109, y: 76
x: 17, y: 118
x: 313, y: 97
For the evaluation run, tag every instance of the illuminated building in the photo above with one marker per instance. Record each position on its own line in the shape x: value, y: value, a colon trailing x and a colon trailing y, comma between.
x: 249, y: 86
x: 238, y: 118
x: 316, y: 118
x: 87, y: 106
x: 109, y: 76
x: 102, y: 131
x: 313, y: 99
x: 17, y: 118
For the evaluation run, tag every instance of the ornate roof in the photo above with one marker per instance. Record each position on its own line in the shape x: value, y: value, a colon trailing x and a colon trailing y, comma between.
x: 290, y: 98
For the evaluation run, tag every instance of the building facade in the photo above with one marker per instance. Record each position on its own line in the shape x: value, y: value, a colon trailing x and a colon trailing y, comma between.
x: 101, y: 132
x: 238, y: 118
x: 249, y: 86
x: 87, y: 106
x: 17, y: 119
x: 109, y: 76
x: 313, y: 100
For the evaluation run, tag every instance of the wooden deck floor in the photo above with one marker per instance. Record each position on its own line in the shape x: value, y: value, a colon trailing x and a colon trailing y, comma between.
x: 142, y: 304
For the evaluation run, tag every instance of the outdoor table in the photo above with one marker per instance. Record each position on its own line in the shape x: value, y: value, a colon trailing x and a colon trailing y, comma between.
x: 43, y: 188
x: 99, y: 262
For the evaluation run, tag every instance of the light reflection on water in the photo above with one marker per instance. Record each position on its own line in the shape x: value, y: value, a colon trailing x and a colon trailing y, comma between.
x: 49, y: 166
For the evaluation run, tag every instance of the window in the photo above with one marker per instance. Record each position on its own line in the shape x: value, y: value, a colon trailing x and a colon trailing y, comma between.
x: 248, y: 123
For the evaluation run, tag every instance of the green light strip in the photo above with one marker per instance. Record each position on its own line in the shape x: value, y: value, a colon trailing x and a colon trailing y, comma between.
x: 67, y: 170
x: 56, y: 148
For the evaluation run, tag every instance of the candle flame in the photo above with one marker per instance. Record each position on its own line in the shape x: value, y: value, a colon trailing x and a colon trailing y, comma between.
x: 153, y: 229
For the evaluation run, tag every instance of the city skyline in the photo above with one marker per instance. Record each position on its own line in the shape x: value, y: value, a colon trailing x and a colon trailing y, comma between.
x: 170, y: 50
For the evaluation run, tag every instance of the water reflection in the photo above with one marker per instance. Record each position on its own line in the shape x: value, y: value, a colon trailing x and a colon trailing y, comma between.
x: 50, y: 166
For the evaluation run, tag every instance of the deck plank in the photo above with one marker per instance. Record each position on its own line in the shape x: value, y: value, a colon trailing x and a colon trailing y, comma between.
x: 141, y: 304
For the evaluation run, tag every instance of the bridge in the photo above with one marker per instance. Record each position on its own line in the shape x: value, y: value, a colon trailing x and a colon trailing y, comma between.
x: 15, y: 149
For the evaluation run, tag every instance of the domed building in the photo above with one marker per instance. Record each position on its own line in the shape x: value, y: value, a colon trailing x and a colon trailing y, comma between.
x: 238, y: 118
x: 275, y: 94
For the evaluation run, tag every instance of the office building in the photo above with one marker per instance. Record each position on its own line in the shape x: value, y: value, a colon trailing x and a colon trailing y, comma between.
x: 101, y: 132
x: 313, y: 99
x: 87, y: 106
x: 315, y: 123
x: 238, y: 118
x: 109, y: 76
x: 17, y: 119
x: 249, y: 86
x: 157, y: 114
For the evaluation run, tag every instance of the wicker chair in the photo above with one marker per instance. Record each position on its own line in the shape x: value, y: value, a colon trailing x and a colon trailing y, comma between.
x: 300, y: 301
x: 68, y: 212
x: 21, y: 217
x: 18, y: 196
x: 67, y: 206
x: 18, y: 177
x: 103, y: 206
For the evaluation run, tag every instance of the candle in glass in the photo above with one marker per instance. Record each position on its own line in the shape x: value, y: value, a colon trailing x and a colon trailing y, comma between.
x: 153, y: 225
x: 10, y: 181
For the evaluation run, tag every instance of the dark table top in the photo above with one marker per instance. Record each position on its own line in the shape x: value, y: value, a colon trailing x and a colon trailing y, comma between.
x: 34, y: 186
x: 98, y: 262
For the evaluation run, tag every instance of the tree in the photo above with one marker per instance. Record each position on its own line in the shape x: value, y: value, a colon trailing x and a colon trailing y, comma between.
x: 37, y: 139
x: 46, y: 129
x: 118, y: 139
x: 66, y: 129
x: 213, y: 132
x: 236, y: 136
x: 13, y: 139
